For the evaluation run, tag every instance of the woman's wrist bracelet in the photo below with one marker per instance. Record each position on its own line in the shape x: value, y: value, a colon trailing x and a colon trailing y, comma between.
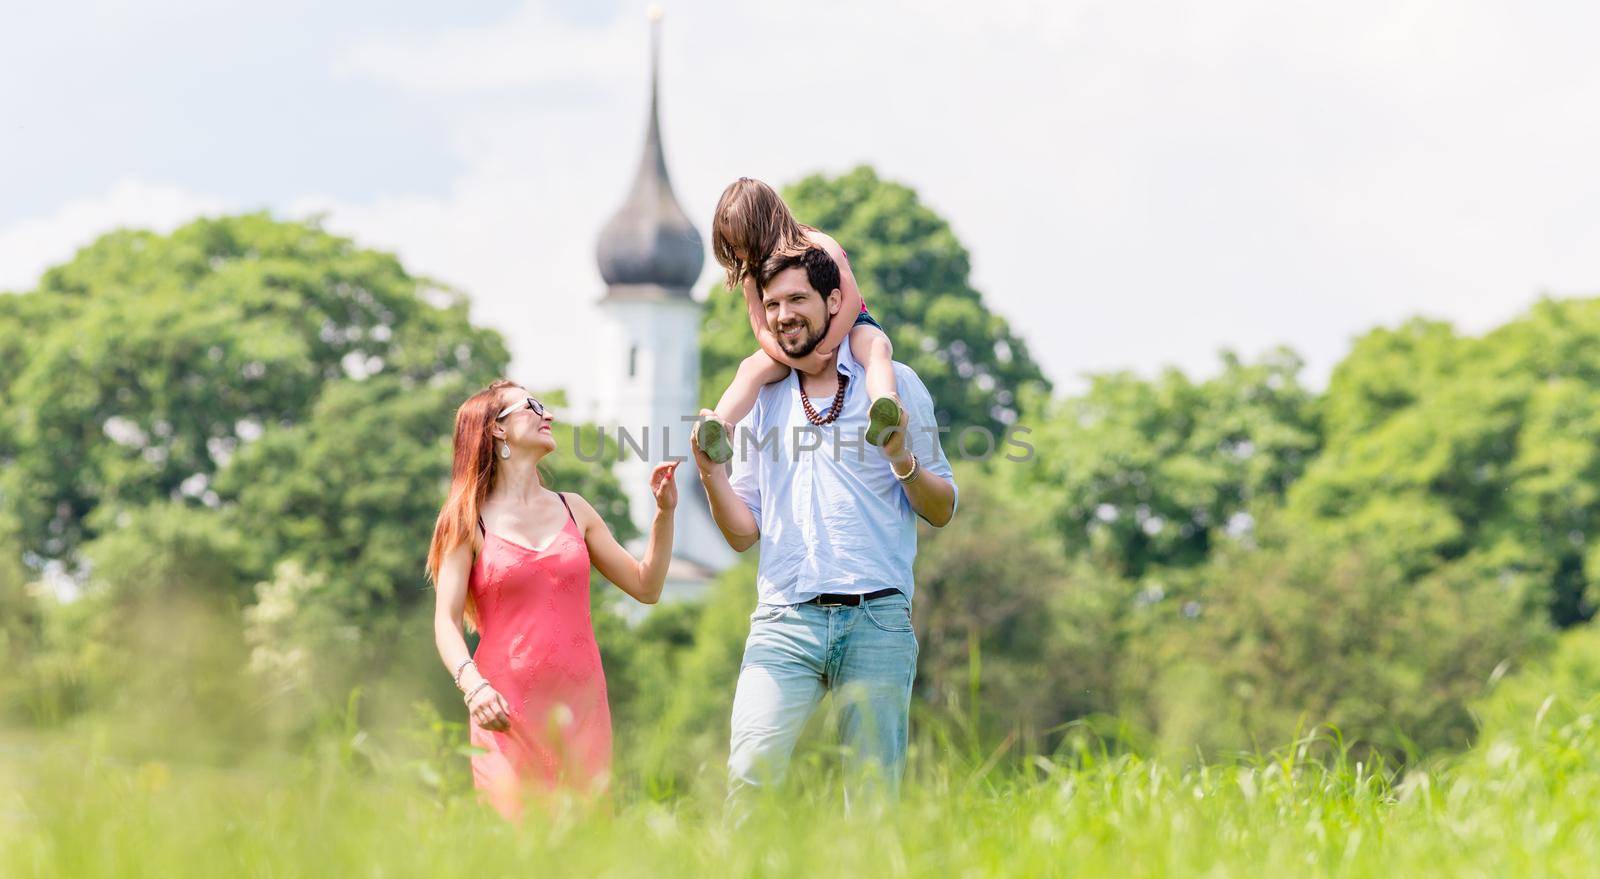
x: 468, y: 698
x: 461, y: 668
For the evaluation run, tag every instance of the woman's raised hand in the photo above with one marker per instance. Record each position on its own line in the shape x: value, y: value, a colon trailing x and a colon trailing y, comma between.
x: 664, y: 486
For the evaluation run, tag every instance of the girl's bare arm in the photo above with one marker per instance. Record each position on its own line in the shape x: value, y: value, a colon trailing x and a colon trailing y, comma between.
x: 850, y: 302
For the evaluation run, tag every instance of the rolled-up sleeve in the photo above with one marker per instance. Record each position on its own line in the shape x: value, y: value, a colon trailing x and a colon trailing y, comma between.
x: 746, y: 478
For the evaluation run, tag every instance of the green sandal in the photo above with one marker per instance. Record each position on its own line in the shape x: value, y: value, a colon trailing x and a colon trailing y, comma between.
x: 885, y: 416
x: 714, y: 441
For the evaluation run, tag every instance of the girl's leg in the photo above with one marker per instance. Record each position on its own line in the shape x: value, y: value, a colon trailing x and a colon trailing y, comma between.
x: 873, y: 350
x: 754, y: 371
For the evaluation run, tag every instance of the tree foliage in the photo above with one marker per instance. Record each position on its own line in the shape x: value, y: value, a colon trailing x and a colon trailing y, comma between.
x: 1485, y: 452
x: 1299, y: 631
x: 149, y: 360
x: 1140, y: 474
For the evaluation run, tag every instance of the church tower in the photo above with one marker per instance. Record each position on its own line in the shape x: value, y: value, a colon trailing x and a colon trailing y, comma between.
x: 648, y: 373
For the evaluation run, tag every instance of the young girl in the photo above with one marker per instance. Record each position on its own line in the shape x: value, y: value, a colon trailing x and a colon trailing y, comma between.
x: 751, y: 224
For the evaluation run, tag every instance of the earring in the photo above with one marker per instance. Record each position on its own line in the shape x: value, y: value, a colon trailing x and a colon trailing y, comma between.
x: 505, y: 450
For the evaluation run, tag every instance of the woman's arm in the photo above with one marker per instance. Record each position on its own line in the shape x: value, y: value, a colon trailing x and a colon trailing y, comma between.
x: 850, y: 295
x: 642, y: 579
x: 488, y: 708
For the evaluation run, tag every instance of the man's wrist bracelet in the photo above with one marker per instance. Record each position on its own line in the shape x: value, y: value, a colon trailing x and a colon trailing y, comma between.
x: 911, y: 475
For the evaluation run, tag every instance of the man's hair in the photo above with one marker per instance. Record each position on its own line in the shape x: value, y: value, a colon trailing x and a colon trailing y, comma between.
x: 821, y: 271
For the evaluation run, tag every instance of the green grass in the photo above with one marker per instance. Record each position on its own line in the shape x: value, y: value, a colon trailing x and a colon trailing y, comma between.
x: 1525, y: 802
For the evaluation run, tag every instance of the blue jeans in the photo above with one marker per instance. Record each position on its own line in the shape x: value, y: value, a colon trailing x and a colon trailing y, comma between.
x: 866, y: 655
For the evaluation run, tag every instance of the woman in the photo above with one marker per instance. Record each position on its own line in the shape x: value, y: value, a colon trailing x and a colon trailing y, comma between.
x: 512, y: 557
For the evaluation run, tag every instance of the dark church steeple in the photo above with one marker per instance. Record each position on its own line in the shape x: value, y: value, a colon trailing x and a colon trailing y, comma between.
x: 649, y: 248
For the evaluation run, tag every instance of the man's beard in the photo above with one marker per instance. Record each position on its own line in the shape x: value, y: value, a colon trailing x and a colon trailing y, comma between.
x: 808, y: 342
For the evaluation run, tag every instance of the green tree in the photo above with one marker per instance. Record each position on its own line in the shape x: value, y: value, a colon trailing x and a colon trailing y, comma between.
x: 1549, y: 694
x: 351, y: 491
x: 1483, y: 452
x: 914, y: 275
x: 1301, y: 630
x: 21, y: 625
x: 150, y: 359
x: 1146, y: 473
x: 154, y: 638
x: 1015, y: 637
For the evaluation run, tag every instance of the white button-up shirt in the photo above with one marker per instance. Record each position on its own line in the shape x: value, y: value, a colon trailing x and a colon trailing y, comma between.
x: 832, y: 515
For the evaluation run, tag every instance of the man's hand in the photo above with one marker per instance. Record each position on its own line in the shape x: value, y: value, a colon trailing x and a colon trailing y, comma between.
x: 733, y: 518
x: 701, y: 460
x: 894, y: 444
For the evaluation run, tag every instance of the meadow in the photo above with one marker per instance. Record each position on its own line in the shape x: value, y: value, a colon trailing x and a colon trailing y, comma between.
x: 1523, y: 801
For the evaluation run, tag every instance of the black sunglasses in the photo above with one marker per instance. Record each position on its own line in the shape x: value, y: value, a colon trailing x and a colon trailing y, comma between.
x: 531, y: 403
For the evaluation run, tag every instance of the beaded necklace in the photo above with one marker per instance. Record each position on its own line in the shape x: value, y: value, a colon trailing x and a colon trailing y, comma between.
x: 833, y: 411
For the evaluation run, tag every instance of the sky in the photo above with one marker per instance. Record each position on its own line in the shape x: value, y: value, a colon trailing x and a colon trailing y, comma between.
x: 1140, y: 184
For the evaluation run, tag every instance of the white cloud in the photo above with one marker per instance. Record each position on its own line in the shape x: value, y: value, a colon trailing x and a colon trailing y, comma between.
x: 29, y: 247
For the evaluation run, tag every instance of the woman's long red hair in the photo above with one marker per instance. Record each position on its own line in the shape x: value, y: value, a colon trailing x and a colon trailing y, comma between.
x: 471, y: 476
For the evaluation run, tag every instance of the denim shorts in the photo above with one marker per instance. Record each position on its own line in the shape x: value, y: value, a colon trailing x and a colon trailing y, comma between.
x: 865, y: 317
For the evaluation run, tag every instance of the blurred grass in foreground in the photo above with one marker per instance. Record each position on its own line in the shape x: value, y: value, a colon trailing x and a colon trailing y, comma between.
x: 145, y: 795
x: 1523, y: 803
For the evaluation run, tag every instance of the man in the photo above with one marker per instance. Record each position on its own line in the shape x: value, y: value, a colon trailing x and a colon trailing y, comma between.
x: 834, y: 517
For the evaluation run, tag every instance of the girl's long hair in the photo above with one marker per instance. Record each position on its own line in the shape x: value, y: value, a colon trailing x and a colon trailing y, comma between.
x: 752, y: 217
x: 472, y: 475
